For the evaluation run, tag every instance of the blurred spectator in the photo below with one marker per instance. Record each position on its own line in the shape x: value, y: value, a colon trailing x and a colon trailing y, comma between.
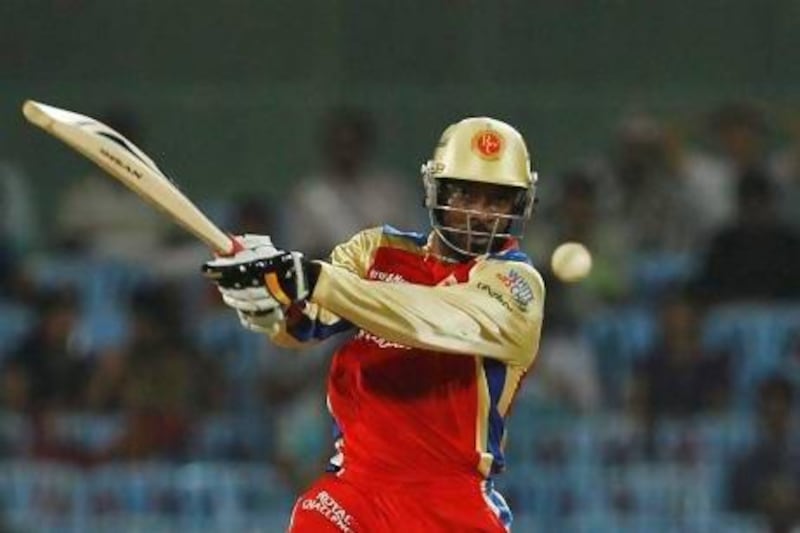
x: 757, y: 257
x: 18, y: 232
x: 348, y: 192
x: 738, y: 141
x: 576, y: 216
x: 181, y: 252
x: 101, y: 217
x: 565, y: 375
x: 46, y: 372
x: 786, y: 169
x: 253, y: 215
x: 18, y: 227
x: 295, y: 390
x: 157, y: 380
x: 646, y: 188
x: 679, y: 377
x: 766, y: 479
x: 50, y: 444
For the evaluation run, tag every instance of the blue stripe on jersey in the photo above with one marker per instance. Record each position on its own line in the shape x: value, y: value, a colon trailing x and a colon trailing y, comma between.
x: 336, y: 431
x: 306, y: 329
x: 505, y: 514
x: 420, y: 239
x: 496, y: 380
x: 512, y: 255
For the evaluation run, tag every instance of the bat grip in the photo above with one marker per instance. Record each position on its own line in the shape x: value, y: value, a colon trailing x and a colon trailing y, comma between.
x: 235, y: 247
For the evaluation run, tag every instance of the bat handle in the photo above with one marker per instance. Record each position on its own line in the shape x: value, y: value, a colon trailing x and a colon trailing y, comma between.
x: 235, y: 247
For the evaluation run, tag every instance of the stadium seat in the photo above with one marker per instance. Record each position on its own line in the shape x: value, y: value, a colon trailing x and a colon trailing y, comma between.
x: 662, y: 489
x: 89, y: 431
x: 759, y: 337
x: 225, y: 495
x: 231, y: 437
x: 136, y: 488
x: 619, y: 336
x: 41, y: 496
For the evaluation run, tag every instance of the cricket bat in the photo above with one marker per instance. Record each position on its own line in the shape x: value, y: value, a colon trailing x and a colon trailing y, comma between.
x: 120, y: 158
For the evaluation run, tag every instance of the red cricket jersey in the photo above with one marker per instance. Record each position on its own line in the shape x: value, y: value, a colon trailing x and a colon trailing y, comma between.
x: 420, y: 393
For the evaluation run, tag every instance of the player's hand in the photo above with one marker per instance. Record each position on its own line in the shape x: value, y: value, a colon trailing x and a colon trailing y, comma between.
x: 239, y: 271
x: 254, y: 247
x: 287, y: 277
x: 241, y: 288
x: 252, y: 300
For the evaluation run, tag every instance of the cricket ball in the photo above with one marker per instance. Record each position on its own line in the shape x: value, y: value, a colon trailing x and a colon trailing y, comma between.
x: 571, y: 262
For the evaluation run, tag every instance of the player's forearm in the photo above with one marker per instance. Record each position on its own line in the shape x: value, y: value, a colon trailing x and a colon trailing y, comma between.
x: 456, y: 319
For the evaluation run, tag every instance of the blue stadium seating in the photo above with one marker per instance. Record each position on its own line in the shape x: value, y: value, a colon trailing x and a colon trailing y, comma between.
x: 224, y: 496
x: 761, y: 339
x: 41, y: 495
x: 219, y: 437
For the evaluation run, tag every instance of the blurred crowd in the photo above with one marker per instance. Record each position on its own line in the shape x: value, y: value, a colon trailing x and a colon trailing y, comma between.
x: 114, y: 349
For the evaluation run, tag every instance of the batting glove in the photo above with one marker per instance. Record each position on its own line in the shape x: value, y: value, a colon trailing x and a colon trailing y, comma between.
x: 287, y: 277
x: 252, y: 300
x: 238, y: 271
x: 246, y: 294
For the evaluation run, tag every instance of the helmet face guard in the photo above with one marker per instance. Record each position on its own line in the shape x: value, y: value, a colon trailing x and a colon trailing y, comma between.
x: 479, y: 151
x: 482, y: 232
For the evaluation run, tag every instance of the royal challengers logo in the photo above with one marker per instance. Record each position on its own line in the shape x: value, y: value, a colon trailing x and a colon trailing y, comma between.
x: 488, y: 144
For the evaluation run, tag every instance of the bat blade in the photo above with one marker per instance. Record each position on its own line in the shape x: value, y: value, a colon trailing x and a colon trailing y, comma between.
x: 124, y: 161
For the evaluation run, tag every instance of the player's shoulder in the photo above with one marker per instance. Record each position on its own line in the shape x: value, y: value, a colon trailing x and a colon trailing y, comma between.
x: 413, y: 237
x: 408, y: 241
x: 387, y: 236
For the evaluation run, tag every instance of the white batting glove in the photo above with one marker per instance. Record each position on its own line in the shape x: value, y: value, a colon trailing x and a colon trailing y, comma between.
x: 255, y: 247
x: 268, y: 322
x: 256, y: 308
x: 252, y: 300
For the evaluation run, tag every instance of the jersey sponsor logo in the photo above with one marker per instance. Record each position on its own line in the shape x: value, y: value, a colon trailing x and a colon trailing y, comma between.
x: 488, y: 144
x: 386, y: 277
x: 380, y: 342
x: 520, y: 289
x: 485, y: 287
x: 325, y: 505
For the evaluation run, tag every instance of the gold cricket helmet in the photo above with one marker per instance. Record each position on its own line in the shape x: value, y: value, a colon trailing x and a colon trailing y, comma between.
x: 479, y: 150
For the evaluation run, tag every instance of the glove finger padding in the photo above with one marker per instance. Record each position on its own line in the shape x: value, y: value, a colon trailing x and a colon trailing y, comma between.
x: 249, y: 300
x: 264, y: 322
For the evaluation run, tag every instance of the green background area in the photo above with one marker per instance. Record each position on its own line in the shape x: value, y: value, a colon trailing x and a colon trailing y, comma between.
x: 230, y: 92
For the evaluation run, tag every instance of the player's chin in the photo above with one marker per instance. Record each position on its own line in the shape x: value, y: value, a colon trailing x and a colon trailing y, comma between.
x: 478, y: 245
x: 475, y: 244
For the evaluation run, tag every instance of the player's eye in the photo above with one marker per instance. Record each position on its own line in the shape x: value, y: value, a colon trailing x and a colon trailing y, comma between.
x: 454, y: 193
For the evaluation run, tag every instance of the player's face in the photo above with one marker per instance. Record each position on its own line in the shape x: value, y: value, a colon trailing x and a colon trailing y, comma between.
x: 475, y: 210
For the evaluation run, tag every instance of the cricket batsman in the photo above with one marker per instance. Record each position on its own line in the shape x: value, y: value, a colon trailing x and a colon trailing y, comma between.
x: 445, y: 327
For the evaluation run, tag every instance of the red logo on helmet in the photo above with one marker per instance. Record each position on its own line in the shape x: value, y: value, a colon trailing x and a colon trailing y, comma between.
x: 488, y: 144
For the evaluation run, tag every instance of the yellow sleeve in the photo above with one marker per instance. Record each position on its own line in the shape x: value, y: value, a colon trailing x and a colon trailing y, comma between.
x: 317, y: 323
x: 497, y: 313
